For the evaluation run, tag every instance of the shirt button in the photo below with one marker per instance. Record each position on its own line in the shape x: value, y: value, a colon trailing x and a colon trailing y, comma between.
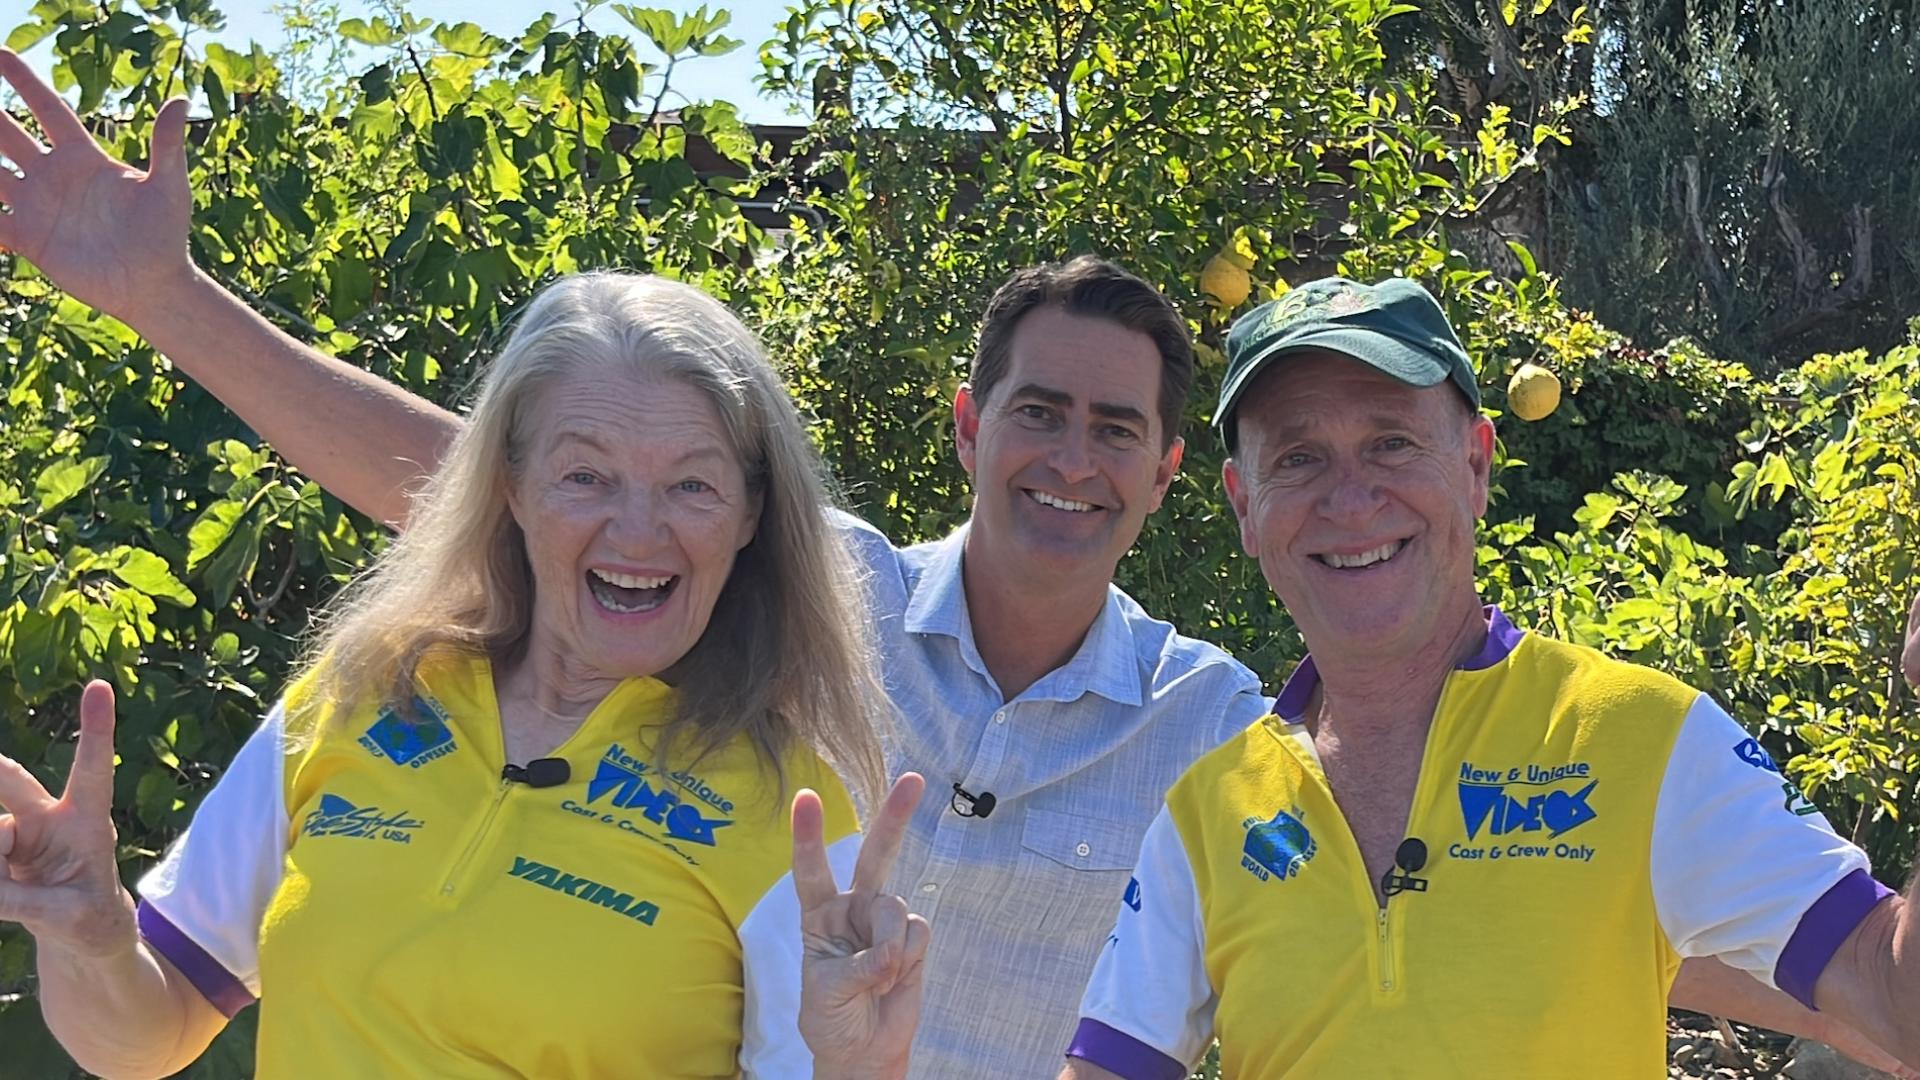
x: 1000, y: 717
x: 1083, y: 850
x: 930, y: 887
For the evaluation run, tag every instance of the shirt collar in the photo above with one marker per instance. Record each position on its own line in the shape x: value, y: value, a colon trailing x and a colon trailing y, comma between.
x: 1502, y: 636
x: 1105, y: 664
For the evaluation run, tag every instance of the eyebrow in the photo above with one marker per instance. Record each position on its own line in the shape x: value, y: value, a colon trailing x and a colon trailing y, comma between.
x: 1062, y: 399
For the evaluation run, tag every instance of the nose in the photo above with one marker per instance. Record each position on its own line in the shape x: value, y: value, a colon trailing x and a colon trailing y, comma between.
x: 1351, y: 496
x: 1072, y: 457
x: 638, y: 522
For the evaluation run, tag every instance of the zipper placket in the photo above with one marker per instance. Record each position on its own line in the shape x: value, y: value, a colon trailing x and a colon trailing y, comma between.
x: 1391, y: 977
x: 1386, y: 951
x: 452, y: 882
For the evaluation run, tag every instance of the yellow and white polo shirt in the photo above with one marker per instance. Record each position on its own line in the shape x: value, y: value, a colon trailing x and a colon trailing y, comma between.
x: 404, y: 910
x: 1588, y: 823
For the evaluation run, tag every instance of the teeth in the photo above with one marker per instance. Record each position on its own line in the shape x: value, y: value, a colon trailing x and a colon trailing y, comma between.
x: 1365, y: 558
x: 630, y: 581
x: 1059, y: 503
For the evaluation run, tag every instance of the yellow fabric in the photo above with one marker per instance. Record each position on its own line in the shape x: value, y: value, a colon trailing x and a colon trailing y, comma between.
x: 1496, y: 968
x: 434, y: 920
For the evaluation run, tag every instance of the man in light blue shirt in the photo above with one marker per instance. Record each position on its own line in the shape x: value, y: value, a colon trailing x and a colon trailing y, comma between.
x: 1023, y: 673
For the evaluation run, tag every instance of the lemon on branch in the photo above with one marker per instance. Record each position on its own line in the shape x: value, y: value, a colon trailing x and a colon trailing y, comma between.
x: 1226, y: 281
x: 1533, y: 393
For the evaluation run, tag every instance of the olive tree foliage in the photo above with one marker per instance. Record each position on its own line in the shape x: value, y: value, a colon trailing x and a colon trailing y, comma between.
x: 1753, y: 182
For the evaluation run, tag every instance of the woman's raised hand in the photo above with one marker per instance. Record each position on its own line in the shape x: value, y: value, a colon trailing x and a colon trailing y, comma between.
x: 59, y: 876
x: 860, y: 981
x: 110, y: 235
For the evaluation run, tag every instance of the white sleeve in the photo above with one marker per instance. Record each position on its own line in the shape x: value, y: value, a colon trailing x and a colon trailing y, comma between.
x: 1744, y: 867
x: 770, y: 948
x: 201, y: 906
x: 1148, y: 1010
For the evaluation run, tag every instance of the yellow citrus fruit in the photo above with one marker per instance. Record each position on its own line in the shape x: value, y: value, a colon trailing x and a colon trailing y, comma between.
x: 1533, y: 393
x: 1227, y: 282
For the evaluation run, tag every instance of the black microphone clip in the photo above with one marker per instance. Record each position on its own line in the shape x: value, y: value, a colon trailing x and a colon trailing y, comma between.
x: 1408, y: 859
x: 967, y: 804
x: 543, y: 772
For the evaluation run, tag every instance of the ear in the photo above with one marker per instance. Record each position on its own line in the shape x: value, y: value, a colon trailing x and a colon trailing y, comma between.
x: 1237, y: 496
x: 510, y: 490
x: 750, y: 524
x: 1480, y: 459
x: 966, y: 425
x: 1164, y: 473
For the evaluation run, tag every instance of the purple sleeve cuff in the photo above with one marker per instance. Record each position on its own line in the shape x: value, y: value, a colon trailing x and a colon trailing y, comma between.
x: 215, y: 983
x: 1821, y: 931
x: 1122, y: 1054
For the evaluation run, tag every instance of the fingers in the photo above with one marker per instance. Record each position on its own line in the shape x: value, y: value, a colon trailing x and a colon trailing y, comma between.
x: 20, y: 792
x: 6, y: 838
x: 1910, y: 660
x: 919, y: 936
x: 58, y: 121
x: 881, y: 963
x: 90, y: 783
x: 812, y: 876
x: 26, y: 903
x: 889, y: 827
x: 167, y: 158
x: 16, y: 144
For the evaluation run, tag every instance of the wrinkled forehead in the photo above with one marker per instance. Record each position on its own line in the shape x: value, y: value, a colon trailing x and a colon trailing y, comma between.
x: 1317, y: 389
x: 622, y: 409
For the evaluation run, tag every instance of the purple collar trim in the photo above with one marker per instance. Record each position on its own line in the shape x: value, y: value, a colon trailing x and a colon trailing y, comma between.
x: 1502, y: 637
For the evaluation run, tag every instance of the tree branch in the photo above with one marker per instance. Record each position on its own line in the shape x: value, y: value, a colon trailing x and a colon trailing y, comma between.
x: 1687, y: 197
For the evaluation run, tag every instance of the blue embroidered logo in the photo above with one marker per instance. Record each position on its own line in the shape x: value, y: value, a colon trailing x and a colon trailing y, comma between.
x: 414, y: 743
x: 1133, y: 893
x: 620, y: 775
x: 338, y: 817
x: 1277, y: 848
x: 1751, y: 752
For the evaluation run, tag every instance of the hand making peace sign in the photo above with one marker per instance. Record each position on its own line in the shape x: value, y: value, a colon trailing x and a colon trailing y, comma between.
x: 860, y: 979
x: 58, y: 874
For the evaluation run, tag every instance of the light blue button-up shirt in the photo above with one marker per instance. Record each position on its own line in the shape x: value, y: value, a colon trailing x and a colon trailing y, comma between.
x: 1022, y: 900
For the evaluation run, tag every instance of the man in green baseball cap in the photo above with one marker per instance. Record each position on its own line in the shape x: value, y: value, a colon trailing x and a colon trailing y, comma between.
x: 1454, y: 837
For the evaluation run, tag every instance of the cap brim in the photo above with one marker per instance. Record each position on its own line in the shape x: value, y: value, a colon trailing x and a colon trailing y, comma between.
x: 1383, y: 352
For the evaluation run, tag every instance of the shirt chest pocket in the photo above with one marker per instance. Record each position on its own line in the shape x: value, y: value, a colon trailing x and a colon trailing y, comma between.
x: 1081, y: 841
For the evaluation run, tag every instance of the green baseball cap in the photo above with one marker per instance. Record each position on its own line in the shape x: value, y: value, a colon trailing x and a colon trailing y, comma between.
x: 1396, y: 326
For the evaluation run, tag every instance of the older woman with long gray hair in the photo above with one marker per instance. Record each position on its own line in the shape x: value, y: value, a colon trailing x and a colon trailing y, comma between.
x: 523, y: 810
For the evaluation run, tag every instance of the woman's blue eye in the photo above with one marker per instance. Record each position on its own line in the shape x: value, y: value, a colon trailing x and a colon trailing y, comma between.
x: 695, y: 486
x: 582, y: 477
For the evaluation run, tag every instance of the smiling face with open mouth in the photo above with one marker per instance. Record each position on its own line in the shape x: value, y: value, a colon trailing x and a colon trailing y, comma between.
x: 1066, y: 451
x: 1360, y: 495
x: 633, y: 505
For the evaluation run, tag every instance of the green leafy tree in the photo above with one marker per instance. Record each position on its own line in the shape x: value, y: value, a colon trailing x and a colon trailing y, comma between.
x: 970, y: 140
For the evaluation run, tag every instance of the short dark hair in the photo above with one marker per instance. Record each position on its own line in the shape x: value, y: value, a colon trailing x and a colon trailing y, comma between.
x: 1100, y: 289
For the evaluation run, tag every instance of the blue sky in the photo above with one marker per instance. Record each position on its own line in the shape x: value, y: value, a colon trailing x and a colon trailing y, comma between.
x: 729, y: 77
